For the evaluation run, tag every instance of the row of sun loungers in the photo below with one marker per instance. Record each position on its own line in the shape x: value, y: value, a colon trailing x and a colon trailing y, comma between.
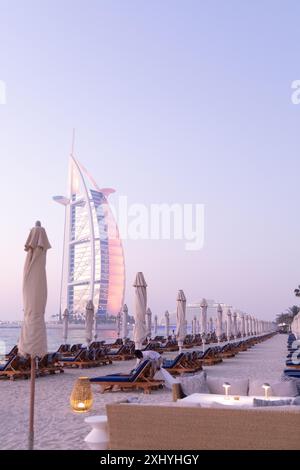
x: 100, y: 353
x: 19, y: 367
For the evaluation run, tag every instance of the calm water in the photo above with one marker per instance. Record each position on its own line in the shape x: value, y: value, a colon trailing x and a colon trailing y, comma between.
x: 9, y: 336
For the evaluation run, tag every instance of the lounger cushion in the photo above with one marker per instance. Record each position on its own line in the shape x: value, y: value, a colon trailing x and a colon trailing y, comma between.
x: 282, y: 388
x: 68, y: 359
x: 238, y: 386
x: 119, y: 378
x: 194, y: 384
x: 111, y: 378
x: 260, y: 402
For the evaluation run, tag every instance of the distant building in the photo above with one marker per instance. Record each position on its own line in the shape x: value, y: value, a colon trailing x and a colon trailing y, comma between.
x: 93, y: 258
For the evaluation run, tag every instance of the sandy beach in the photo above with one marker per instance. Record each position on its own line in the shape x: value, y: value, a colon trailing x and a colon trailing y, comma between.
x: 57, y: 427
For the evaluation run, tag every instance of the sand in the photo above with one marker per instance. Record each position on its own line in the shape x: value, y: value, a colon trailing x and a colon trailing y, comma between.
x: 57, y: 427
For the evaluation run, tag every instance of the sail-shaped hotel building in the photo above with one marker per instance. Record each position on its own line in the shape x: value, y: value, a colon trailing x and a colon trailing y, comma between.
x: 93, y: 260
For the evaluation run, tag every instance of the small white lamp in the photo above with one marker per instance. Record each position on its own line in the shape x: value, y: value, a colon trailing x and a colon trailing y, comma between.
x: 266, y: 388
x: 226, y: 386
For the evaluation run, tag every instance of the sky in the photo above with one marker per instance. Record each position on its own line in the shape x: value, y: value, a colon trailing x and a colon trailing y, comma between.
x: 172, y: 102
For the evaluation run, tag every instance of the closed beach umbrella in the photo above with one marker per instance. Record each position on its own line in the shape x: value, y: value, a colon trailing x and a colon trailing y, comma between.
x: 194, y: 326
x: 248, y: 325
x: 219, y: 329
x: 234, y: 325
x: 118, y: 324
x: 89, y: 321
x: 155, y: 325
x: 149, y: 322
x: 203, y: 317
x: 203, y: 306
x: 140, y: 330
x: 251, y: 325
x: 180, y: 319
x: 211, y: 325
x: 259, y: 326
x: 65, y: 325
x: 124, y: 323
x: 229, y: 324
x: 95, y: 326
x: 33, y: 338
x: 243, y: 332
x: 167, y: 317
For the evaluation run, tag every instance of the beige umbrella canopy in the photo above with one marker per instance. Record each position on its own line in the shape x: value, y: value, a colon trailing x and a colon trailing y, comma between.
x: 219, y: 330
x: 65, y: 325
x: 194, y: 326
x: 234, y: 325
x: 203, y: 306
x: 180, y: 319
x: 124, y: 323
x: 89, y: 321
x: 33, y: 338
x: 203, y: 317
x: 149, y: 321
x: 118, y: 322
x: 140, y: 328
x: 229, y: 325
x: 167, y: 318
x: 243, y: 325
x: 155, y: 325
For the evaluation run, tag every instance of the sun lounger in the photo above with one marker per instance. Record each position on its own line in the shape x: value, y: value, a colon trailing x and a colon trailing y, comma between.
x: 153, y: 346
x: 159, y: 339
x: 75, y: 348
x: 64, y: 348
x: 227, y: 351
x: 124, y: 353
x: 49, y: 364
x: 211, y: 357
x: 15, y: 367
x: 117, y: 344
x: 84, y: 358
x: 183, y: 363
x: 140, y: 378
x: 170, y: 346
x: 188, y: 342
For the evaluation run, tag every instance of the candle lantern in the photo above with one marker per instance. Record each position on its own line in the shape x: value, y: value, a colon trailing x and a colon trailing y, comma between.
x: 81, y: 399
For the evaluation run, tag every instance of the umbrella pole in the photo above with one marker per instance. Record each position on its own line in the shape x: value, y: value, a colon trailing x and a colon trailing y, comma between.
x: 31, y: 412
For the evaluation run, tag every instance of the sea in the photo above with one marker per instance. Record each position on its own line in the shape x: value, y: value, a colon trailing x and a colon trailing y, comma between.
x: 9, y: 336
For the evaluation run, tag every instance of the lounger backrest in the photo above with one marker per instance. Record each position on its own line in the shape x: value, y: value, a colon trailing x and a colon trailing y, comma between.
x: 79, y: 354
x: 178, y: 359
x: 8, y: 362
x: 207, y: 352
x: 141, y: 368
x: 13, y: 351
